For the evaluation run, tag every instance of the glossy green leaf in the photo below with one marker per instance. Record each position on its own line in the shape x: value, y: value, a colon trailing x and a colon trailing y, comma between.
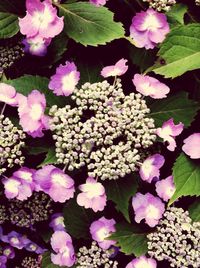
x: 8, y: 25
x: 50, y: 158
x: 194, y: 210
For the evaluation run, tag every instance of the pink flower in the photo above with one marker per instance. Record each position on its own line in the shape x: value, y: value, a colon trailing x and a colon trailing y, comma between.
x: 31, y: 112
x: 54, y: 182
x: 149, y: 86
x: 101, y: 229
x: 148, y: 207
x: 61, y: 243
x: 36, y: 45
x: 165, y: 188
x: 93, y: 195
x: 98, y: 2
x: 169, y: 131
x: 8, y: 94
x: 41, y: 20
x: 142, y: 262
x: 191, y: 146
x: 20, y: 185
x: 150, y: 168
x: 65, y: 79
x: 57, y: 222
x: 115, y: 70
x: 149, y: 28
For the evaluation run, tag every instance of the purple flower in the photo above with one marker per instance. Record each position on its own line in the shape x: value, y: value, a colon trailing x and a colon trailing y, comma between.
x: 165, y: 188
x: 142, y: 262
x: 57, y: 222
x: 15, y: 239
x: 54, y: 182
x: 148, y: 207
x: 33, y: 247
x: 9, y: 252
x: 93, y: 195
x: 41, y: 20
x: 8, y: 94
x: 101, y: 229
x: 61, y: 243
x: 149, y: 28
x: 3, y: 261
x: 115, y: 70
x: 98, y: 2
x: 169, y: 131
x: 149, y: 86
x: 20, y: 185
x: 65, y: 80
x: 36, y: 46
x: 150, y: 168
x: 191, y: 146
x: 31, y: 112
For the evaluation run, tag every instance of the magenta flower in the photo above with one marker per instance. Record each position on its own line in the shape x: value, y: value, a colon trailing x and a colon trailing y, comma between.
x: 191, y: 146
x: 65, y: 80
x: 149, y: 28
x: 31, y: 112
x: 165, y: 188
x: 9, y: 252
x: 36, y: 46
x: 61, y: 243
x: 169, y: 131
x: 57, y: 222
x: 20, y: 185
x: 33, y: 247
x: 150, y: 168
x: 98, y: 3
x: 8, y: 94
x: 142, y: 262
x: 41, y: 20
x: 101, y: 229
x: 54, y: 182
x: 148, y: 207
x: 115, y: 70
x: 93, y: 195
x: 149, y: 86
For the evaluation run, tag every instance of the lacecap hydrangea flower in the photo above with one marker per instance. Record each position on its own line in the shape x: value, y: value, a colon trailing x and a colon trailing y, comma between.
x: 93, y: 195
x: 191, y: 146
x: 57, y: 222
x: 118, y: 69
x: 142, y: 262
x: 36, y: 45
x: 149, y: 28
x: 148, y: 207
x: 149, y: 86
x: 165, y: 188
x: 101, y: 229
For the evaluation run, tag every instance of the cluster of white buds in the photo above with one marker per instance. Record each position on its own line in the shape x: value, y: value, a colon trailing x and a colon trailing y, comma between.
x: 3, y: 214
x: 161, y: 5
x: 11, y: 144
x: 30, y: 262
x: 176, y: 240
x: 94, y: 257
x: 107, y: 131
x: 197, y: 2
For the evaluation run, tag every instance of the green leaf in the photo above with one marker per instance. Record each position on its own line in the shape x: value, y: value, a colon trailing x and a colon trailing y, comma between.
x: 90, y: 25
x: 50, y: 158
x: 186, y: 175
x: 25, y: 84
x: 90, y: 72
x: 194, y: 210
x: 130, y: 239
x: 8, y: 25
x: 180, y: 51
x: 77, y: 219
x: 176, y: 15
x: 120, y: 192
x: 46, y: 261
x: 177, y: 106
x: 36, y: 150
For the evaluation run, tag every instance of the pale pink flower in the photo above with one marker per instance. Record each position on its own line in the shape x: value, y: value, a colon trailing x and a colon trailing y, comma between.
x: 165, y: 188
x: 115, y: 70
x: 192, y: 146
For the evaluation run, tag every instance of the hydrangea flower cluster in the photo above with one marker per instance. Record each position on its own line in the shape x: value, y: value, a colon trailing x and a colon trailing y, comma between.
x: 109, y: 116
x: 161, y: 5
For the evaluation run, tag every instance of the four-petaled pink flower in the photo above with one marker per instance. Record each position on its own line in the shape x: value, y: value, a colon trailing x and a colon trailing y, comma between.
x: 101, y: 229
x: 65, y: 79
x: 142, y: 262
x: 31, y: 112
x: 165, y: 188
x: 8, y: 94
x: 98, y: 3
x: 149, y: 28
x: 149, y: 86
x: 54, y: 182
x: 93, y: 195
x: 115, y: 70
x: 61, y: 243
x: 192, y: 146
x: 148, y: 207
x: 169, y: 131
x: 20, y: 184
x: 150, y: 168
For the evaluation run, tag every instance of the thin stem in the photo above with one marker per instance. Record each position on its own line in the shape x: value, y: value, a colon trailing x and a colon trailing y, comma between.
x: 3, y: 109
x: 65, y: 167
